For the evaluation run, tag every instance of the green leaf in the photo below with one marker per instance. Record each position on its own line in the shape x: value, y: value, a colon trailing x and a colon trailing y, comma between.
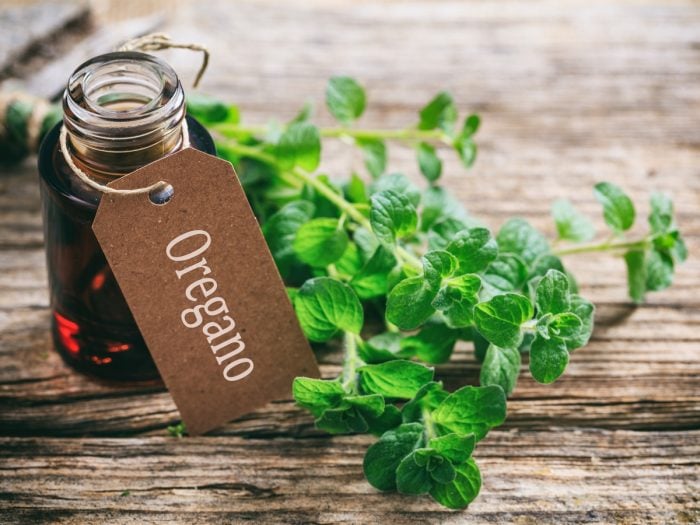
x: 472, y: 409
x: 371, y: 280
x: 383, y: 457
x: 659, y: 270
x: 565, y: 326
x: 280, y: 231
x: 585, y: 311
x: 661, y: 215
x: 440, y: 112
x: 342, y: 420
x: 209, y: 110
x: 548, y: 359
x: 429, y: 163
x: 381, y: 348
x: 304, y: 114
x: 428, y: 398
x: 457, y: 298
x: 317, y: 395
x: 433, y: 344
x: 350, y: 262
x: 438, y: 264
x: 461, y: 491
x: 300, y: 145
x: 356, y: 190
x: 397, y: 379
x: 390, y: 418
x: 438, y: 206
x: 321, y: 242
x: 412, y: 478
x: 481, y: 345
x: 499, y: 319
x: 372, y: 404
x: 543, y: 264
x: 507, y: 273
x: 679, y: 252
x: 501, y: 367
x: 409, y: 303
x: 325, y: 306
x: 455, y: 447
x: 636, y: 275
x: 345, y: 99
x: 441, y: 469
x: 552, y: 295
x: 471, y: 125
x: 475, y: 249
x: 392, y: 216
x: 398, y: 183
x: 375, y: 156
x: 571, y: 225
x: 618, y: 209
x: 518, y: 237
x: 466, y: 149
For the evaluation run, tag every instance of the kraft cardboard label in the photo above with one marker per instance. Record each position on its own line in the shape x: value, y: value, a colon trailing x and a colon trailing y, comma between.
x: 204, y: 289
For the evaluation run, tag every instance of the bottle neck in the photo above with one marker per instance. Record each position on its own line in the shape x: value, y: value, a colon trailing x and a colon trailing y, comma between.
x: 122, y: 111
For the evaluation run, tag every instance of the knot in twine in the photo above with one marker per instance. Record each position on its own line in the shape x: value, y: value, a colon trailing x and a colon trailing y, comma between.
x: 152, y: 42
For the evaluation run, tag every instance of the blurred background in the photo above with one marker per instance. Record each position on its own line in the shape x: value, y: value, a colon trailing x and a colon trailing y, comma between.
x: 570, y: 93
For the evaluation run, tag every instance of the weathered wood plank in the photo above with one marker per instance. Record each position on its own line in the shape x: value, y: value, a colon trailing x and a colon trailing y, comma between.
x: 25, y: 30
x: 640, y: 372
x: 569, y: 95
x: 597, y: 476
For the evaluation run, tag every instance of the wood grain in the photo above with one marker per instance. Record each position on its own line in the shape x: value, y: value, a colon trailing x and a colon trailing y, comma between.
x: 587, y: 476
x: 29, y: 31
x: 570, y: 94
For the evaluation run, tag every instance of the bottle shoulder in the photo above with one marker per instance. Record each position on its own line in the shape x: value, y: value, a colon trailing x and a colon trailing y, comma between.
x: 63, y: 185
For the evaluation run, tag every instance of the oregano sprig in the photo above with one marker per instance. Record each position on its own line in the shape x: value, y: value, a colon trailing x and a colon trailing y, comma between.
x: 381, y: 247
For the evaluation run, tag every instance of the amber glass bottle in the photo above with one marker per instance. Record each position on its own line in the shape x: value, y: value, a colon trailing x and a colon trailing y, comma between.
x: 122, y: 111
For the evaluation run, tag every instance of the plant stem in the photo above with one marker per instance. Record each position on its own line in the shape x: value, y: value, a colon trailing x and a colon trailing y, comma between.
x: 332, y: 196
x: 342, y: 204
x: 429, y: 426
x: 408, y: 134
x: 350, y: 363
x: 529, y: 326
x: 604, y: 246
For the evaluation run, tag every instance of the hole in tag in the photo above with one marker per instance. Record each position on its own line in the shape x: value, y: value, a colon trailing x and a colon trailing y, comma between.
x: 162, y: 194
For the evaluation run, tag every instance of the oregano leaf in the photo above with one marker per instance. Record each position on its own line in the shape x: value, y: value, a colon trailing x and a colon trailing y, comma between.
x: 618, y: 209
x: 499, y: 319
x: 392, y: 216
x: 320, y: 242
x: 345, y: 99
x: 325, y: 306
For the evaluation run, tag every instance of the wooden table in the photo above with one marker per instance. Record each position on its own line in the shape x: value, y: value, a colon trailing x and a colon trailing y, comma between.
x: 569, y: 95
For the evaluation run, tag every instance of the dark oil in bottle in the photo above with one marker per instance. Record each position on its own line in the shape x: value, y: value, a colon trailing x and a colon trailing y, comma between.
x: 92, y: 326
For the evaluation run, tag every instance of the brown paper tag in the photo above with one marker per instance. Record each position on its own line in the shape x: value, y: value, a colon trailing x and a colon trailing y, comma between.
x: 204, y: 289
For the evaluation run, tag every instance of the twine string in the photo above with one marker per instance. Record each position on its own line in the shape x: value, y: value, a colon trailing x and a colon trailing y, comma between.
x: 160, y: 41
x: 152, y: 42
x: 63, y: 142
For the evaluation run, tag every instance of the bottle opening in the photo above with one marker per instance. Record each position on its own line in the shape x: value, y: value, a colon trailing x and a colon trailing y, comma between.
x: 123, y: 88
x: 122, y: 111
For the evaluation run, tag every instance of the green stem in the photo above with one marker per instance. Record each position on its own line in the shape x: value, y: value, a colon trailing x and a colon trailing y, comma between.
x: 332, y: 196
x: 351, y: 361
x: 429, y: 426
x: 604, y: 246
x: 343, y: 205
x: 408, y: 134
x: 529, y: 326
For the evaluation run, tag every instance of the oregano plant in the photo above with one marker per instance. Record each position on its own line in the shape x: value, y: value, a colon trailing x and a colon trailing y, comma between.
x: 378, y: 250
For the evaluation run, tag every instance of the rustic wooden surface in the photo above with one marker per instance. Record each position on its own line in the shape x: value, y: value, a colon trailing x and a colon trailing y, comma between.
x: 569, y: 95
